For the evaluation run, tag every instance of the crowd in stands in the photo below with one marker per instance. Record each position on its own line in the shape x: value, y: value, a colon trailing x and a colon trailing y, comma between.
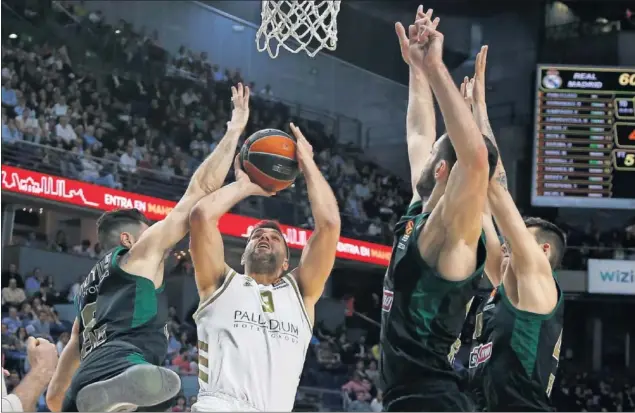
x: 165, y: 124
x: 159, y: 116
x: 592, y: 243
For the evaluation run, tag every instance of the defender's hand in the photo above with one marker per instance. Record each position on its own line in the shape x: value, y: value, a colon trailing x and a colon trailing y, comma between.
x: 404, y: 41
x: 304, y: 150
x: 42, y: 356
x: 240, y: 101
x: 479, y: 75
x: 243, y: 179
x: 427, y: 49
x: 467, y: 91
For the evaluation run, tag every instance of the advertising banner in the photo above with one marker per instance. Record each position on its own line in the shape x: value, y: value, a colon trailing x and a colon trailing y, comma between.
x: 82, y: 194
x: 611, y: 277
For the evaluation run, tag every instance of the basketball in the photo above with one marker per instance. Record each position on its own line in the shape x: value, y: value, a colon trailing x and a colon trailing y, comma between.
x: 268, y: 158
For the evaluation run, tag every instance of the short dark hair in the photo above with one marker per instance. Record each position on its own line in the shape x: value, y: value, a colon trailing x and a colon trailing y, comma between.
x: 271, y: 225
x: 112, y: 223
x: 447, y: 153
x: 549, y: 233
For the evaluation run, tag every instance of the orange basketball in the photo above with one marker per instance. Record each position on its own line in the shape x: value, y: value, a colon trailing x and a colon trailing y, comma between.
x: 268, y: 157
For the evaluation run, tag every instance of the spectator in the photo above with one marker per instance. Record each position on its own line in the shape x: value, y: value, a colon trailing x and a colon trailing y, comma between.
x: 60, y: 108
x: 9, y: 96
x: 376, y: 405
x: 10, y: 132
x: 60, y: 244
x: 41, y: 326
x: 74, y: 289
x: 12, y: 274
x: 180, y: 404
x: 65, y: 132
x: 182, y: 362
x: 62, y: 341
x: 127, y: 161
x: 372, y: 372
x: 266, y: 92
x: 12, y: 321
x: 359, y: 388
x: 26, y: 120
x: 13, y: 295
x: 84, y: 249
x: 33, y: 281
x: 326, y: 357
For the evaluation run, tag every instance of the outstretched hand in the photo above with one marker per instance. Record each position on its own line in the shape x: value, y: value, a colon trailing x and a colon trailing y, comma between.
x: 467, y: 91
x: 242, y: 177
x: 404, y: 41
x: 426, y: 43
x: 304, y: 150
x: 479, y: 75
x: 240, y: 102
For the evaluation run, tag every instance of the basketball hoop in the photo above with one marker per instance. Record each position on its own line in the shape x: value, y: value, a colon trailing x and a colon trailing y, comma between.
x: 309, y: 23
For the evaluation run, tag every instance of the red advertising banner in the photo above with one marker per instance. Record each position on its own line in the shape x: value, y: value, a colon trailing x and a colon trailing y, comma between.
x: 82, y: 194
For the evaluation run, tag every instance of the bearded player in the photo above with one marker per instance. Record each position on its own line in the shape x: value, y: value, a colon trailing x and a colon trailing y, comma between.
x: 518, y: 330
x: 119, y: 339
x: 439, y: 250
x: 254, y: 328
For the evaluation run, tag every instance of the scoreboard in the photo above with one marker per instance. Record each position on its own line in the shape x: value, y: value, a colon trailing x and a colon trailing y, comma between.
x: 584, y: 137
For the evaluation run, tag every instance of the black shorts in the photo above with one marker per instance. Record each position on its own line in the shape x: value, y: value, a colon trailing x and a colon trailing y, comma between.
x: 105, y: 362
x: 438, y: 397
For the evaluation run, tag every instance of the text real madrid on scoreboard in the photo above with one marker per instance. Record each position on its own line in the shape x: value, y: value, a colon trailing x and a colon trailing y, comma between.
x: 584, y: 145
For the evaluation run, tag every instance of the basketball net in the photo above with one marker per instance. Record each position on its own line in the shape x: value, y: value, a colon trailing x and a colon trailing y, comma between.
x: 310, y: 23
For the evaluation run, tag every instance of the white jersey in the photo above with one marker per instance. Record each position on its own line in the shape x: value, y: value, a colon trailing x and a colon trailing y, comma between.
x: 252, y: 344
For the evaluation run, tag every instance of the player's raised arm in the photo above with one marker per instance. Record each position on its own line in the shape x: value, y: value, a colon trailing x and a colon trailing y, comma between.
x: 473, y: 91
x: 468, y: 179
x: 537, y: 291
x: 206, y: 242
x: 420, y: 116
x: 66, y: 367
x: 208, y: 178
x: 318, y: 257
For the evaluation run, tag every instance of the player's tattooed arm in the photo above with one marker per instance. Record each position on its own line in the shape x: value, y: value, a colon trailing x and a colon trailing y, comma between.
x: 501, y: 178
x: 420, y: 116
x: 468, y: 179
x: 318, y: 256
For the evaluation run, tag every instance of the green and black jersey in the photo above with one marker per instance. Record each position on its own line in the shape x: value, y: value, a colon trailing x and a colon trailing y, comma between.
x: 514, y: 356
x: 115, y: 306
x: 422, y: 316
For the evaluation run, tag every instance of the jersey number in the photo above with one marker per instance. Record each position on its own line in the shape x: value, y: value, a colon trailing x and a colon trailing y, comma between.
x: 266, y: 298
x: 91, y: 338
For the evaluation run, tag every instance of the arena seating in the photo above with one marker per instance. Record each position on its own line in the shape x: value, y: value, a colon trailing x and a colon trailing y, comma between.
x: 144, y: 125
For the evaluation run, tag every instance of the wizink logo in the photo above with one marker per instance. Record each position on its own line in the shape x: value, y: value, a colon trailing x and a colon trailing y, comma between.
x: 617, y: 276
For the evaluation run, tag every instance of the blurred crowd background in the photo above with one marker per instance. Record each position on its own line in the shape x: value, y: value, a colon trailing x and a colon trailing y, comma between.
x: 99, y: 99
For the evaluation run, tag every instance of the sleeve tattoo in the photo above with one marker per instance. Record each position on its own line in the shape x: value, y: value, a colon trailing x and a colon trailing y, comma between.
x: 501, y: 178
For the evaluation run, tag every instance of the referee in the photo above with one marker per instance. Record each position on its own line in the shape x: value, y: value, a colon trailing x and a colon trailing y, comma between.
x: 42, y: 356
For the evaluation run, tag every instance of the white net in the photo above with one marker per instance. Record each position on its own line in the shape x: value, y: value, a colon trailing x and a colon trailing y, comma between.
x: 312, y: 24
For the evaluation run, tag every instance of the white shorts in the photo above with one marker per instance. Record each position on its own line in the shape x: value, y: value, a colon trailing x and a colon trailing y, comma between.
x: 221, y: 403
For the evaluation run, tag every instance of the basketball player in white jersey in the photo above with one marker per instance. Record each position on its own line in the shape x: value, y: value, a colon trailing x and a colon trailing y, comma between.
x: 254, y: 328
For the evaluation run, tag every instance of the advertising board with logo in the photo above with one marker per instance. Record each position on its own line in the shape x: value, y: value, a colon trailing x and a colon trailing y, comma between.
x: 82, y: 194
x: 611, y: 277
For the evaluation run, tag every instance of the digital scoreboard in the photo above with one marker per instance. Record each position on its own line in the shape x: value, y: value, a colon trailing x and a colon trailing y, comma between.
x: 584, y: 137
